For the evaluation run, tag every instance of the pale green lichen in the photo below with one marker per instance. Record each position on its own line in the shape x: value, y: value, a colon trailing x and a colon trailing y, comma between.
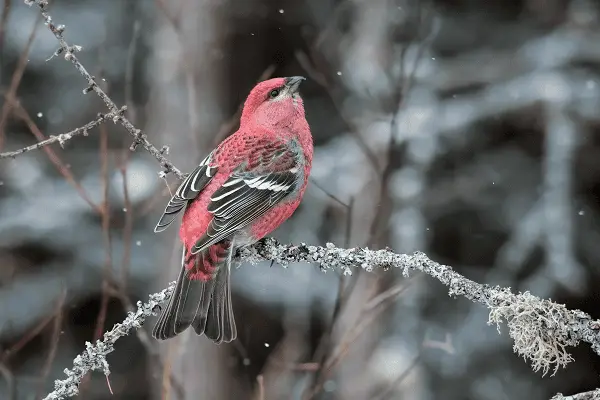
x: 540, y: 328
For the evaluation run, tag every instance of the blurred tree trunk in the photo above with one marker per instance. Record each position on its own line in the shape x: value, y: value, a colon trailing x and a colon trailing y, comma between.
x: 185, y: 109
x: 364, y: 56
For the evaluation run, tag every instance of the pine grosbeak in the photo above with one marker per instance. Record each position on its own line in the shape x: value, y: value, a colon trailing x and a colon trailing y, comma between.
x: 243, y: 190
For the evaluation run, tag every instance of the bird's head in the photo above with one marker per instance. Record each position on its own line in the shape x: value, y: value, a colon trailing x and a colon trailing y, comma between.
x: 274, y: 103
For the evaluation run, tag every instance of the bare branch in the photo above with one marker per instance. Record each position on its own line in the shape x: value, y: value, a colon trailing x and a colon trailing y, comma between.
x: 3, y: 21
x: 63, y: 137
x: 10, y: 380
x: 69, y: 54
x: 56, y: 329
x: 17, y: 75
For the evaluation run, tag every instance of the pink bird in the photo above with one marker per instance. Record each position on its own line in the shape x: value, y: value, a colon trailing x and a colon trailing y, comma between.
x: 243, y: 190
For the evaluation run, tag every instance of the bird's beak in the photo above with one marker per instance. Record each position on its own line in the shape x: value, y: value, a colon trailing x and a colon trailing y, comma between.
x: 292, y: 83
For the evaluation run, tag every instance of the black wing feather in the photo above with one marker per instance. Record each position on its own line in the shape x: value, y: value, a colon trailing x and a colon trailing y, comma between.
x: 188, y: 190
x: 243, y: 198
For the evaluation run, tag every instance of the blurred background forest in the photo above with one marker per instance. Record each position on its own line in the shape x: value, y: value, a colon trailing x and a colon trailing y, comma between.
x: 462, y: 128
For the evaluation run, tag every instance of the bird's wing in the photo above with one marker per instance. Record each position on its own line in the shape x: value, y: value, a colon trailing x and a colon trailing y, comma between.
x: 187, y: 191
x: 271, y: 172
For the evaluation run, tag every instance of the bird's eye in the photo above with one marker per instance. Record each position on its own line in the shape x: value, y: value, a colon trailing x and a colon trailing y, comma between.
x: 274, y: 93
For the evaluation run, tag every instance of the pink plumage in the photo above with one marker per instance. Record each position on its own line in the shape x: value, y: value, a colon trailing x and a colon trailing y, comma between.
x: 243, y: 190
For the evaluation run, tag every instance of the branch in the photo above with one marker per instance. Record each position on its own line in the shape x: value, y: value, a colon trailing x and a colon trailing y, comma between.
x: 64, y: 137
x: 541, y: 329
x: 94, y: 357
x: 139, y: 136
x: 591, y: 395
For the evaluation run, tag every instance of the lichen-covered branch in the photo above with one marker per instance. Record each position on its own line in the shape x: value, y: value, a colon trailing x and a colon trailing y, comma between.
x: 64, y: 137
x: 94, y: 356
x: 69, y: 54
x: 541, y: 329
x: 591, y: 395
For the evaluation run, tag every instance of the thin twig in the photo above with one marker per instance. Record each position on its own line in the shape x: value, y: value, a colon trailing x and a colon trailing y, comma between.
x: 10, y: 381
x: 157, y: 197
x: 172, y: 20
x: 385, y: 296
x: 368, y: 315
x: 106, y: 273
x: 190, y: 78
x: 331, y: 196
x: 106, y: 239
x: 69, y: 54
x: 56, y: 328
x: 325, y: 347
x: 390, y: 389
x: 379, y: 223
x: 303, y: 367
x: 62, y: 138
x: 11, y: 95
x: 129, y: 70
x: 128, y: 206
x: 127, y: 227
x: 15, y: 348
x: 173, y: 348
x: 167, y: 372
x: 260, y: 380
x: 445, y: 346
x: 60, y: 166
x: 5, y: 13
x: 304, y: 62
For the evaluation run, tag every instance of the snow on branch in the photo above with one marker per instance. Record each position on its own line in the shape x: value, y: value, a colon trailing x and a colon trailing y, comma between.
x: 541, y: 329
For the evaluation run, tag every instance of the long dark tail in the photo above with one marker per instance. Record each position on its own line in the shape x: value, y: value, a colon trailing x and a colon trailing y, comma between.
x: 205, y: 305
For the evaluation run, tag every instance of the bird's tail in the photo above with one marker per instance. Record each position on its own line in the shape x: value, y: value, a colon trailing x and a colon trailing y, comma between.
x: 202, y: 303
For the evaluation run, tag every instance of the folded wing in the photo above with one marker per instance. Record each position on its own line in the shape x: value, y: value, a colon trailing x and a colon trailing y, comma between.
x: 252, y: 190
x: 187, y: 191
